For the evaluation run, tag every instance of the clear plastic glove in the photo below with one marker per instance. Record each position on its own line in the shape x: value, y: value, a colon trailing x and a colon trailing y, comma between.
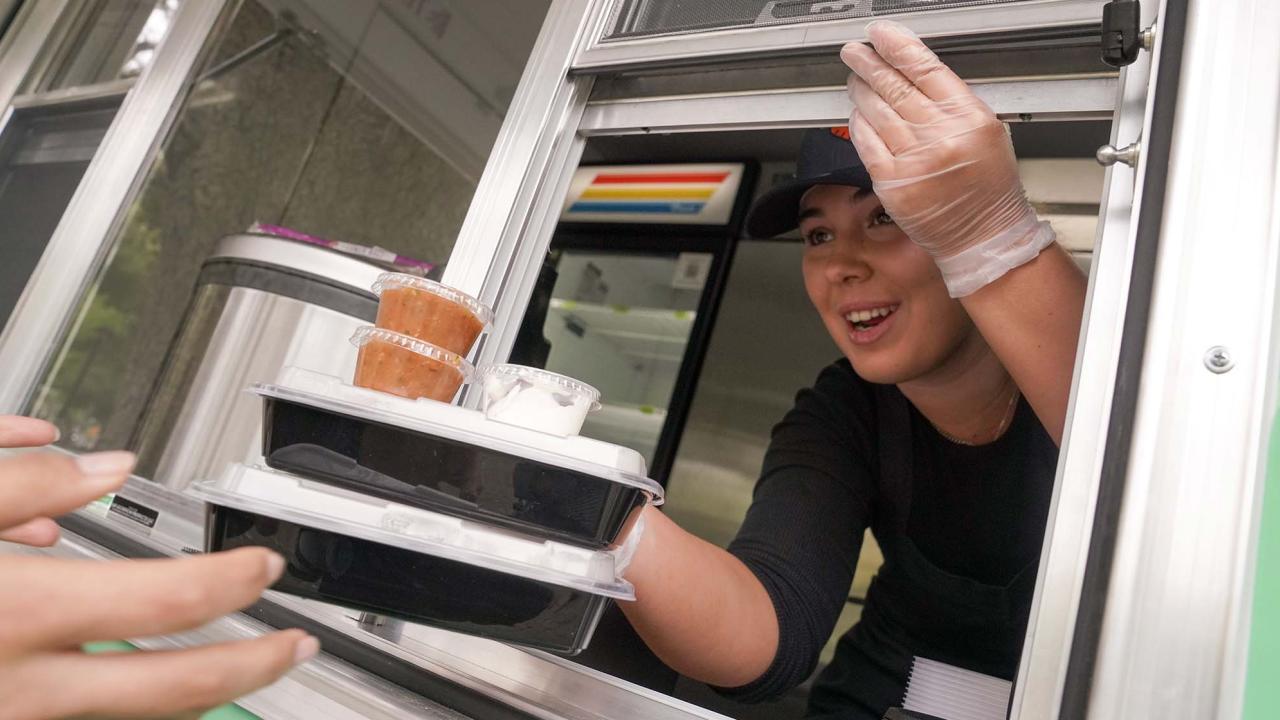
x: 625, y: 549
x: 49, y: 607
x: 940, y: 160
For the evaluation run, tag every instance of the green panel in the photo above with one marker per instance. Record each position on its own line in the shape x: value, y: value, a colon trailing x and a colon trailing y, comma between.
x: 229, y: 712
x: 226, y: 712
x: 1262, y: 691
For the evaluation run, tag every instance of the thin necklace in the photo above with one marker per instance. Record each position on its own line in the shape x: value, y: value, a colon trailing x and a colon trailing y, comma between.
x: 1004, y: 423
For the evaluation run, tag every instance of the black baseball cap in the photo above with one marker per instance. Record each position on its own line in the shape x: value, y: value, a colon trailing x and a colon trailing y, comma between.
x: 826, y: 157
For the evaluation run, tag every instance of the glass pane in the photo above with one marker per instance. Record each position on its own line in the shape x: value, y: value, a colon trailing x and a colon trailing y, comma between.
x: 621, y: 323
x: 104, y: 41
x: 361, y: 123
x: 43, y: 155
x: 646, y: 18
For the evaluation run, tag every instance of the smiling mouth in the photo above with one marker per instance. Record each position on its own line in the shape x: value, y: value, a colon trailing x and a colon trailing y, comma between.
x: 864, y: 320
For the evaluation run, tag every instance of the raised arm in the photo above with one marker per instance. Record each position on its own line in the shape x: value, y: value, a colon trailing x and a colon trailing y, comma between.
x: 943, y: 165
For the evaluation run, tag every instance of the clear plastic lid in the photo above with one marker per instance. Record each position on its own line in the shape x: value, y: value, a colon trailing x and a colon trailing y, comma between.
x: 537, y: 376
x: 368, y: 333
x: 290, y: 498
x: 592, y: 457
x: 390, y: 281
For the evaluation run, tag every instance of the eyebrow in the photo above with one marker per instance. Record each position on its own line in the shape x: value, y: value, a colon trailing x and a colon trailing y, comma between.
x: 808, y: 213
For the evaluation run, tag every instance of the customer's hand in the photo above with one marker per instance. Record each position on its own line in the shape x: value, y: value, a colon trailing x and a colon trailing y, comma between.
x: 941, y: 162
x: 49, y: 607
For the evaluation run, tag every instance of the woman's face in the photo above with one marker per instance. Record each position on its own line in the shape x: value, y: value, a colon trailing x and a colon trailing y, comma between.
x: 880, y: 296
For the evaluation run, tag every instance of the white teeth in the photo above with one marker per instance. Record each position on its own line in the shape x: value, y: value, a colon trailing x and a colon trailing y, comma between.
x: 865, y: 315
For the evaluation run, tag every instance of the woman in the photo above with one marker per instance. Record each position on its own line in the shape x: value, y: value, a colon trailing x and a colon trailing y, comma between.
x: 958, y: 318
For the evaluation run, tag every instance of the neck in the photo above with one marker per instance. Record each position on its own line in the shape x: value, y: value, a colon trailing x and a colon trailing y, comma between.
x: 969, y: 396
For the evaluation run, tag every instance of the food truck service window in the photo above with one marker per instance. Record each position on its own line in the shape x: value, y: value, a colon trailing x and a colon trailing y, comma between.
x: 281, y: 154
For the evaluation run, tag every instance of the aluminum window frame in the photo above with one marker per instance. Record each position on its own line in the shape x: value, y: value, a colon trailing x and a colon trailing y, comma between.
x: 1088, y: 98
x: 597, y: 54
x: 1064, y: 557
x: 21, y: 45
x: 80, y: 245
x: 78, y: 18
x: 1174, y: 638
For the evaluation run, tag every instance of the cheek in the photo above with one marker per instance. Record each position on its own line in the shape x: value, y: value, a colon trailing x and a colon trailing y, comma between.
x: 815, y: 285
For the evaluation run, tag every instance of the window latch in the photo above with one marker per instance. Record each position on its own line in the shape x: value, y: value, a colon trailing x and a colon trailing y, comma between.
x: 1122, y: 35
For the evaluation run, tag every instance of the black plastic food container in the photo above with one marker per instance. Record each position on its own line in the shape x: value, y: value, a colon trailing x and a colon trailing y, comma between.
x: 441, y: 474
x: 416, y: 587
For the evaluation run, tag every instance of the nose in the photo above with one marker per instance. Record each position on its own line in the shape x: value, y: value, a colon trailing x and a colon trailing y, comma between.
x: 846, y: 263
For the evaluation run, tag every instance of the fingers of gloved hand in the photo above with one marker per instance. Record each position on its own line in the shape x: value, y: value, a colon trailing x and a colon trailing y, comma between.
x: 40, y: 532
x: 148, y: 684
x: 904, y: 51
x: 18, y: 431
x: 898, y: 135
x: 873, y: 152
x: 55, y: 603
x: 48, y: 484
x: 895, y: 89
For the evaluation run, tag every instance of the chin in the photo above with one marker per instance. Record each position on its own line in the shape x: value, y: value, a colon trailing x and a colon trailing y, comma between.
x: 885, y: 363
x: 879, y: 367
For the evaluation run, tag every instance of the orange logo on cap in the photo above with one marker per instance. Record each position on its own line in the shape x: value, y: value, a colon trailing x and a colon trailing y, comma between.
x: 841, y: 132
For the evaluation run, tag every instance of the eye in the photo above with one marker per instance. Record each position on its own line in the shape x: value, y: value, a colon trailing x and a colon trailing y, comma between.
x: 880, y: 217
x: 818, y: 236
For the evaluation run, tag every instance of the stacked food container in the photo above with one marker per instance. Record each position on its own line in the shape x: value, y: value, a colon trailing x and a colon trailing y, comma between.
x: 385, y: 497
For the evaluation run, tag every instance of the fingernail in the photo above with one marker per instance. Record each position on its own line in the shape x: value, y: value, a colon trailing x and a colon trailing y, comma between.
x: 306, y: 649
x: 57, y: 433
x: 112, y: 462
x: 275, y: 567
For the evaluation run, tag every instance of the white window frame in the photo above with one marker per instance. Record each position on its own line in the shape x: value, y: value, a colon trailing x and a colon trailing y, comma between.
x: 598, y: 54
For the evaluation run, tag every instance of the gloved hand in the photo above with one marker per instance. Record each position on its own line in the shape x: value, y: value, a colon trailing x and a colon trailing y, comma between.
x: 940, y: 160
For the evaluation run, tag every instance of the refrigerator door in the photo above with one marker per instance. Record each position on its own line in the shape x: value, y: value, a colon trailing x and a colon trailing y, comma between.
x: 622, y: 322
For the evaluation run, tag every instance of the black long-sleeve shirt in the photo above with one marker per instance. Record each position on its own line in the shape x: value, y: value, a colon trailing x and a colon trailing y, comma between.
x: 852, y: 455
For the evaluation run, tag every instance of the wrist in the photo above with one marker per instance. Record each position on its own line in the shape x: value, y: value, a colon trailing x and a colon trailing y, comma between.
x: 631, y: 549
x: 981, y: 264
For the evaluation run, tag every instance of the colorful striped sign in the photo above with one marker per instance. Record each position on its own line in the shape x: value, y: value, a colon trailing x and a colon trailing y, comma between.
x: 686, y: 194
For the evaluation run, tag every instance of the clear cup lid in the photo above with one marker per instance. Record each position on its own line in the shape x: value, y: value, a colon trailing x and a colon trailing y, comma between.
x: 291, y: 498
x: 368, y: 333
x: 391, y: 281
x: 545, y: 378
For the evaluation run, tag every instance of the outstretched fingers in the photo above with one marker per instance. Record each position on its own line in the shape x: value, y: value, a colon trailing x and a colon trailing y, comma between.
x: 151, y: 684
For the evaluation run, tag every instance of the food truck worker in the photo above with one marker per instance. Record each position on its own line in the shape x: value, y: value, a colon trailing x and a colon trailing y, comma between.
x: 957, y: 315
